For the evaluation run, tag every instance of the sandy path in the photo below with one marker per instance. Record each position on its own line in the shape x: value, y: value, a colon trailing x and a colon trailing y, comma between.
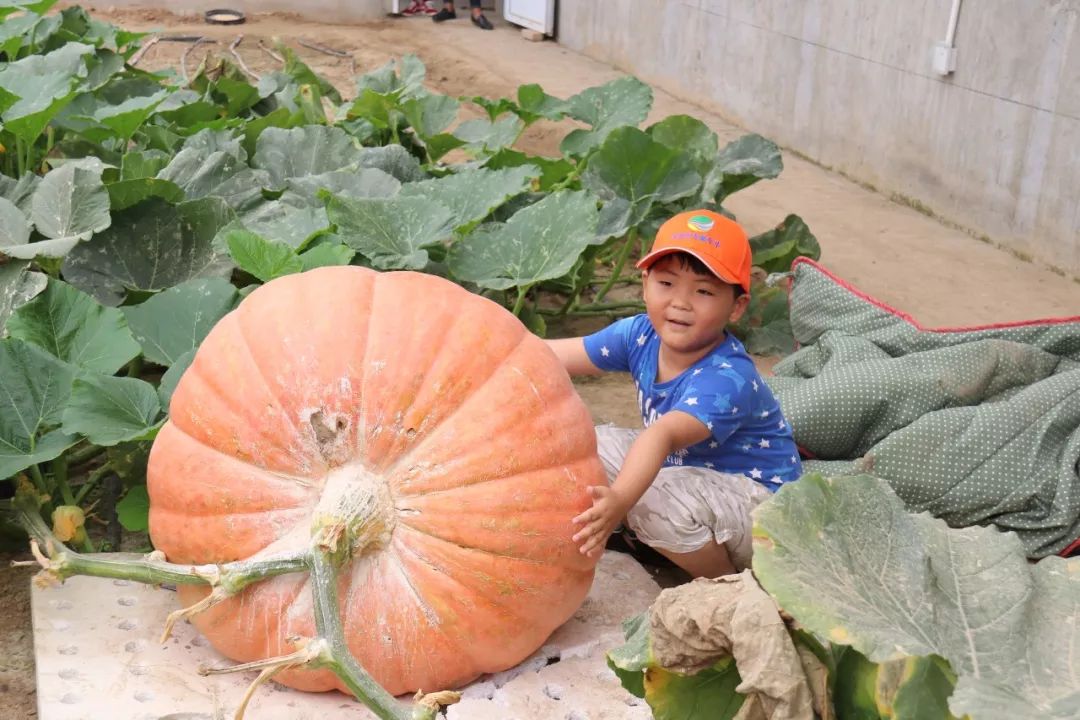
x: 940, y: 275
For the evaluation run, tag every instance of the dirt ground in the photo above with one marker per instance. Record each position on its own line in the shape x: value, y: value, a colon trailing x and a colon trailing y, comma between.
x: 940, y: 275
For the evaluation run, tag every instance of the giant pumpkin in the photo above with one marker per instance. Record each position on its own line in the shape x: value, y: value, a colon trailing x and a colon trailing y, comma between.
x: 450, y: 433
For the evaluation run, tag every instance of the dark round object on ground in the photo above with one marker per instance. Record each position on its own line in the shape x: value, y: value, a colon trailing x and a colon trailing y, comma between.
x: 224, y: 16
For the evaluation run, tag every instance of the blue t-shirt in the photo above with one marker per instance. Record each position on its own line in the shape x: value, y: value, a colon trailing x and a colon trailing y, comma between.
x: 723, y: 390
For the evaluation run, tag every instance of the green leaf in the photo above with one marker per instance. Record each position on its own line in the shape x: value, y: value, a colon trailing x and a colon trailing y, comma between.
x: 236, y: 93
x: 70, y: 202
x: 172, y: 377
x: 482, y: 135
x: 915, y: 689
x: 739, y: 165
x: 126, y: 193
x: 552, y: 170
x: 351, y: 183
x: 689, y: 135
x: 431, y: 114
x: 133, y: 510
x: 390, y: 233
x: 534, y: 103
x: 540, y: 242
x: 21, y: 191
x: 260, y: 257
x: 631, y: 659
x: 150, y: 247
x: 125, y: 117
x: 393, y: 160
x: 630, y: 173
x: 304, y: 151
x: 33, y: 394
x: 108, y: 410
x: 44, y: 84
x: 855, y: 688
x: 624, y: 101
x: 849, y: 563
x: 217, y: 174
x: 287, y: 224
x: 774, y: 250
x: 471, y: 195
x: 140, y: 164
x: 17, y: 287
x: 707, y: 695
x: 14, y: 226
x: 75, y: 328
x: 174, y: 323
x: 129, y: 460
x: 326, y: 254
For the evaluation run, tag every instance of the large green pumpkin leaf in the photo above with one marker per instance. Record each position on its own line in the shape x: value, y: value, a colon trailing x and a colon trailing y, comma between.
x: 630, y: 173
x: 391, y: 233
x: 70, y: 202
x: 393, y: 160
x: 174, y: 323
x: 14, y: 226
x: 471, y: 195
x: 109, y: 410
x: 133, y: 510
x: 44, y: 84
x: 774, y: 250
x: 21, y: 191
x: 304, y: 151
x: 17, y: 287
x: 34, y: 391
x: 150, y: 247
x: 540, y: 242
x: 624, y: 101
x: 691, y: 136
x: 172, y: 376
x: 362, y: 182
x: 430, y: 114
x: 280, y: 222
x: 739, y: 165
x: 482, y: 134
x: 265, y: 259
x: 217, y: 174
x: 849, y: 563
x: 75, y: 328
x: 126, y: 193
x: 325, y: 254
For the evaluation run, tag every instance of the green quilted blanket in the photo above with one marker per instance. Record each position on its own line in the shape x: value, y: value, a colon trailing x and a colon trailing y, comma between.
x: 976, y: 426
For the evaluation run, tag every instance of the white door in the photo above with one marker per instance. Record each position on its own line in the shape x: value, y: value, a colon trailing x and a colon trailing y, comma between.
x: 534, y: 14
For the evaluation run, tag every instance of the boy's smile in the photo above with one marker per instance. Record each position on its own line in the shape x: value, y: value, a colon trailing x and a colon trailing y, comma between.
x: 689, y: 311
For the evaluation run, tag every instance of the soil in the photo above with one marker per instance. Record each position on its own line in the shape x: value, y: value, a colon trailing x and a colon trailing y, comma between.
x: 940, y: 275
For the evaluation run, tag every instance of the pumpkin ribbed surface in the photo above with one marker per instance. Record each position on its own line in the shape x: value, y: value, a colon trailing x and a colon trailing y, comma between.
x: 461, y: 431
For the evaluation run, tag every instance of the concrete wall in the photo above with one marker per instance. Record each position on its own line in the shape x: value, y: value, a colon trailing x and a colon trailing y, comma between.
x: 994, y: 147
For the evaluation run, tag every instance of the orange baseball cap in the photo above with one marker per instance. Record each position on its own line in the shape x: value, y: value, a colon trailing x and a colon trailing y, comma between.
x: 715, y: 240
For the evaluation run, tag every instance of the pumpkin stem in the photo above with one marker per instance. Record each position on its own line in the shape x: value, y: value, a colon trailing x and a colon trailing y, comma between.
x: 334, y: 651
x: 269, y: 668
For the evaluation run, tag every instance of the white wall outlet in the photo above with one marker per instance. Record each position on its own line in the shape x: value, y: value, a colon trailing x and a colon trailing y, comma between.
x: 944, y: 58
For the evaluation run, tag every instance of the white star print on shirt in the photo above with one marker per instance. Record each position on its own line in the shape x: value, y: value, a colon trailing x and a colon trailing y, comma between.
x: 764, y: 443
x: 709, y: 424
x: 775, y: 479
x: 781, y: 425
x: 725, y: 365
x: 691, y: 401
x: 794, y: 459
x: 756, y: 474
x: 713, y: 445
x: 764, y: 413
x: 697, y: 371
x: 709, y: 465
x: 641, y: 339
x: 754, y: 385
x: 735, y: 410
x: 604, y: 351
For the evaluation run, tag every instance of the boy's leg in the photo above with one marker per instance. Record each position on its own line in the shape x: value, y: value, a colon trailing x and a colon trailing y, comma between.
x: 699, y: 519
x: 711, y: 561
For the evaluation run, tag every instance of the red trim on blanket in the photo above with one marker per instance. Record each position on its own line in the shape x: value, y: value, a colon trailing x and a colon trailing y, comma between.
x: 1071, y: 549
x: 1075, y: 546
x: 912, y: 321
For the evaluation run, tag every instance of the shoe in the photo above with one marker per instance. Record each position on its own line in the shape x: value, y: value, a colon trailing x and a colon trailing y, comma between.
x: 444, y: 14
x: 428, y: 10
x: 482, y: 22
x: 417, y: 7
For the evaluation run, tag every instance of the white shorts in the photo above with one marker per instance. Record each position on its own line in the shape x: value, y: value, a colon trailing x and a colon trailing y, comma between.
x: 687, y: 507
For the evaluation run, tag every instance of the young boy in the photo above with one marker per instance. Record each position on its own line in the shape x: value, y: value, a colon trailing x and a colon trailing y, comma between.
x: 715, y: 443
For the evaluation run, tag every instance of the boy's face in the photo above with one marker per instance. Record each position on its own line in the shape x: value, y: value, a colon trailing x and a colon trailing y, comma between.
x: 689, y: 311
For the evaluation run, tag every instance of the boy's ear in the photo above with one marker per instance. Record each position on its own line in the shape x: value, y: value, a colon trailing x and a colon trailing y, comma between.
x: 739, y: 307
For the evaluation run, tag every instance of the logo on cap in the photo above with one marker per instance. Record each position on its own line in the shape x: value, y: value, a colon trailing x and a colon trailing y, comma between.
x: 701, y: 223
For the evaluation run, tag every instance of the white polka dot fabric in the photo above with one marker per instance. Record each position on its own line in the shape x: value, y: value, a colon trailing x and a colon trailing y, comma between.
x: 977, y: 427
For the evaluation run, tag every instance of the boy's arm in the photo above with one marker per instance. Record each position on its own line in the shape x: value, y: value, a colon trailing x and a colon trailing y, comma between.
x: 571, y: 351
x: 672, y: 431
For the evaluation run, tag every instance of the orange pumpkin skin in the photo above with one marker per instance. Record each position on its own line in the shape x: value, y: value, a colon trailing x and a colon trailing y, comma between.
x: 458, y: 428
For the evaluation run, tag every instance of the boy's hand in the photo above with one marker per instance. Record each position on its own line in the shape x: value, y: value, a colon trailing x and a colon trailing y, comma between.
x: 600, y: 520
